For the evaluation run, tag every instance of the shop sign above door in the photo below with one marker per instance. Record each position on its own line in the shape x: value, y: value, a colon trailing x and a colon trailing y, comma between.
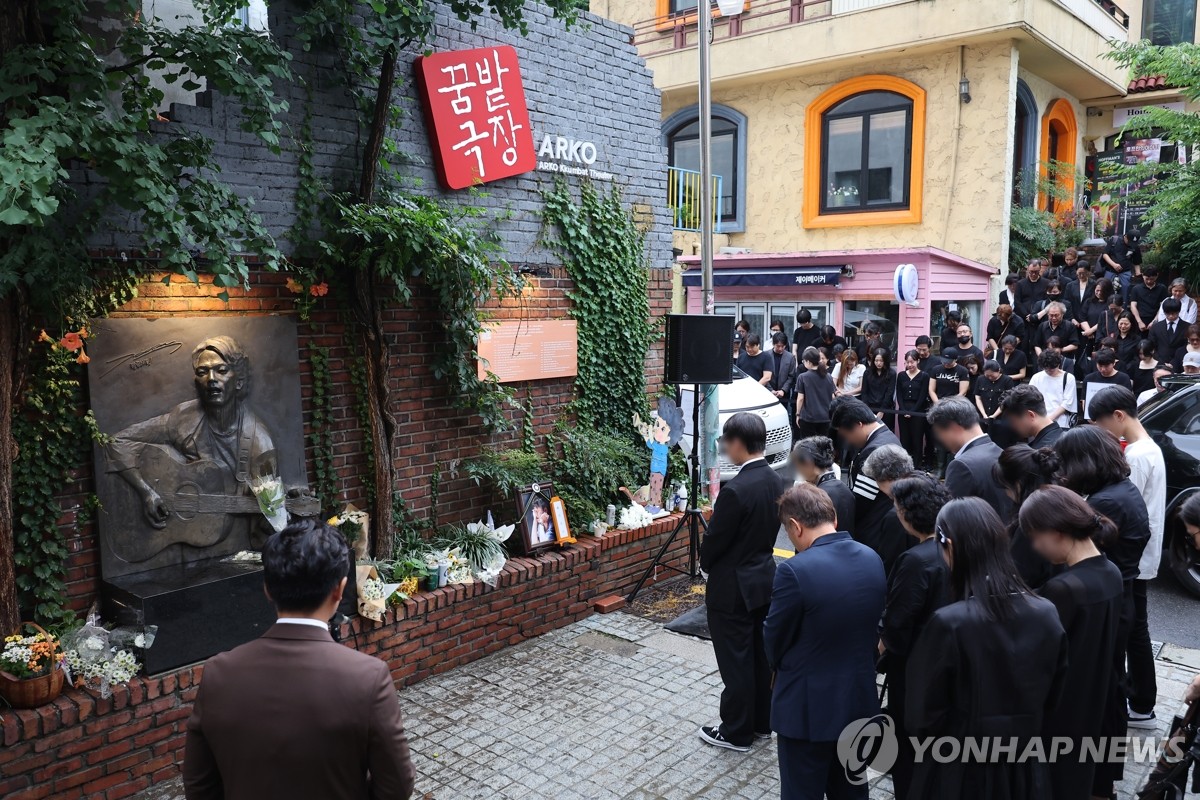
x: 476, y: 114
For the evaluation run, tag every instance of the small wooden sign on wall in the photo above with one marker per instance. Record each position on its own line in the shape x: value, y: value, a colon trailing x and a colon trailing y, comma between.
x: 522, y: 350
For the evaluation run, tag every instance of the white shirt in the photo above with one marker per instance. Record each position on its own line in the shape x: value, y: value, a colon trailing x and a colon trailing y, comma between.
x: 1187, y: 311
x: 1058, y: 394
x: 1146, y: 395
x: 1148, y: 472
x: 968, y: 444
x: 854, y: 378
x: 316, y: 623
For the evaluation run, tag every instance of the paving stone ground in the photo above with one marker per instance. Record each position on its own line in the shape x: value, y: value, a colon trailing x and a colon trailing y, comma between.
x: 608, y: 708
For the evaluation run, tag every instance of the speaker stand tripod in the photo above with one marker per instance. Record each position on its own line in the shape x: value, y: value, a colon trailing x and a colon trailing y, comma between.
x: 693, y: 518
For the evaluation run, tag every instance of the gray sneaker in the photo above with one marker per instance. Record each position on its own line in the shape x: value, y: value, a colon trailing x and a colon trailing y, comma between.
x: 1145, y: 722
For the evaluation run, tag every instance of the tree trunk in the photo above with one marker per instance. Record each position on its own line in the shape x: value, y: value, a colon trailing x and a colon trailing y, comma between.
x: 9, y: 615
x: 369, y: 316
x: 383, y: 423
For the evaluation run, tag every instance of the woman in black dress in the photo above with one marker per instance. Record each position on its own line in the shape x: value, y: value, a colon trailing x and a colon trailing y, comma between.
x: 1021, y: 470
x: 912, y: 398
x: 814, y: 395
x: 879, y: 387
x: 1014, y: 362
x: 1087, y: 593
x: 1098, y: 319
x: 1094, y: 467
x: 1126, y: 344
x: 918, y: 585
x: 1142, y: 374
x: 998, y: 635
x: 812, y: 458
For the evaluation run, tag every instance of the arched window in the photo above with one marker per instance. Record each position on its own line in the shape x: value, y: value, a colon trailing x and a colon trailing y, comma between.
x: 681, y: 135
x: 1024, y: 166
x: 864, y: 153
x: 1059, y: 135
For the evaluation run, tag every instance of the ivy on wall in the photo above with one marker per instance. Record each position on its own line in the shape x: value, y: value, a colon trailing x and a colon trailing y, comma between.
x: 603, y: 251
x: 53, y: 438
x: 321, y: 437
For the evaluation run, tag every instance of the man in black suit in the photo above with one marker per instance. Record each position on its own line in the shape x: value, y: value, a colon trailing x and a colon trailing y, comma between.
x: 821, y: 641
x: 955, y: 422
x: 1024, y: 411
x: 859, y: 426
x: 1169, y: 334
x: 738, y: 553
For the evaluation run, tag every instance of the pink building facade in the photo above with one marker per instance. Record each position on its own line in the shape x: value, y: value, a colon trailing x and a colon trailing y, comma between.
x: 846, y: 289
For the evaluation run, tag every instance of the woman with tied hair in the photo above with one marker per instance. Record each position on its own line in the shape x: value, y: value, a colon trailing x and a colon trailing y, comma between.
x: 1021, y: 470
x: 990, y: 664
x: 1087, y: 593
x: 1094, y: 467
x: 813, y: 459
x: 918, y: 585
x: 912, y: 397
x: 814, y: 395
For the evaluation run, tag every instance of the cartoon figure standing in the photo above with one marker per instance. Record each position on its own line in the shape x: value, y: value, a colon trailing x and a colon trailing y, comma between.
x: 661, y: 434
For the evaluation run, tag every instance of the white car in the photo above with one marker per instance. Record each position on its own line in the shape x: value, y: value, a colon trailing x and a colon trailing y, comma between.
x: 745, y: 394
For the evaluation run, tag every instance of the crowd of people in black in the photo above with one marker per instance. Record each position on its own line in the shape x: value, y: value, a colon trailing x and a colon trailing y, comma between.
x: 1013, y: 539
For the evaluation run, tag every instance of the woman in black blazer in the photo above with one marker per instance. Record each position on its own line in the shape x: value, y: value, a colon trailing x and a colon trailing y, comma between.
x: 813, y: 459
x: 912, y: 400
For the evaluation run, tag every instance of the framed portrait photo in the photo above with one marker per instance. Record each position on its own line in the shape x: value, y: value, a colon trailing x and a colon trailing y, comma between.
x: 537, y: 523
x: 558, y: 515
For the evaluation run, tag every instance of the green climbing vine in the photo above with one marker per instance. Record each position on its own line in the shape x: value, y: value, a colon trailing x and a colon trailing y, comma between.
x: 603, y: 251
x: 321, y: 437
x: 53, y: 438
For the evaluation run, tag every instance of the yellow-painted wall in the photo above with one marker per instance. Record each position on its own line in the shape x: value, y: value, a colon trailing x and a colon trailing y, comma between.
x: 967, y: 177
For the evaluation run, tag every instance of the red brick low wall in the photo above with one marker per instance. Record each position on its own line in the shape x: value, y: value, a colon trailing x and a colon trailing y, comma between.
x: 85, y: 747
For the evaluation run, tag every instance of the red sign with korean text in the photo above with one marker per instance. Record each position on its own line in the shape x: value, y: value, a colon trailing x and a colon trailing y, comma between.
x: 475, y: 109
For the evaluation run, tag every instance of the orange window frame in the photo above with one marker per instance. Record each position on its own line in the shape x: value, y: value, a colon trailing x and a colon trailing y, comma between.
x: 666, y: 20
x: 1059, y: 114
x: 813, y: 146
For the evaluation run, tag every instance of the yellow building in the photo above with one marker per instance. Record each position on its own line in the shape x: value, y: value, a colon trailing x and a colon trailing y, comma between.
x: 847, y: 132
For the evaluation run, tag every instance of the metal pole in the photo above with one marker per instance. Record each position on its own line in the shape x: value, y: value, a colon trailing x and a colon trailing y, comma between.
x: 710, y: 418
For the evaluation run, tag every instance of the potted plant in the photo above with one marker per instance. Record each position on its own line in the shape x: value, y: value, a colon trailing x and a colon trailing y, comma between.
x: 31, y: 671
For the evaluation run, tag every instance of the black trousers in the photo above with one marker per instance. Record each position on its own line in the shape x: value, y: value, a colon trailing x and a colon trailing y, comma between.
x: 912, y: 437
x: 806, y: 428
x: 737, y: 638
x: 812, y: 770
x: 1142, y: 686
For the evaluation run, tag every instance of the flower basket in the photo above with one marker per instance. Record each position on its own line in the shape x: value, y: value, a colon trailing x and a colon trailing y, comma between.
x: 31, y: 692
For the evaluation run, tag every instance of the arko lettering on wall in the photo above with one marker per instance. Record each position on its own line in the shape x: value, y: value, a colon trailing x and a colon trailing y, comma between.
x: 476, y: 114
x: 568, y: 156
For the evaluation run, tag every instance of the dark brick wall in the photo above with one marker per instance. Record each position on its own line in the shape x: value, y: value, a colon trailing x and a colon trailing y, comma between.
x: 82, y: 746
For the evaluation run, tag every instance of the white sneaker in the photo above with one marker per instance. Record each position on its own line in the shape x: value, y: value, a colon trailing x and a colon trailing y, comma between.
x: 1142, y: 721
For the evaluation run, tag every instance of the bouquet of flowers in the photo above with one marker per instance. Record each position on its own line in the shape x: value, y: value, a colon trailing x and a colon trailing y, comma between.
x: 635, y: 516
x: 30, y: 656
x: 97, y: 658
x: 270, y: 496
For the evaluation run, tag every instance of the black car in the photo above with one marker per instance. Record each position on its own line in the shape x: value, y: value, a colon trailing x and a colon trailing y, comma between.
x: 1172, y: 418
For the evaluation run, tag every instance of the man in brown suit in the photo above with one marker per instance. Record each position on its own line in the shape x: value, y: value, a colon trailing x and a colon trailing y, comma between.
x: 295, y: 714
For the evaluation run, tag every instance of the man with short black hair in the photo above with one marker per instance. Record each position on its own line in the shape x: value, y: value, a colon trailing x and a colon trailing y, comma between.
x: 955, y: 423
x: 1106, y: 374
x: 1115, y: 410
x: 861, y: 429
x: 927, y: 362
x: 1030, y: 290
x: 965, y: 343
x: 754, y: 362
x: 738, y: 553
x: 805, y: 335
x: 1146, y: 297
x: 1024, y: 409
x: 1170, y: 333
x: 295, y: 714
x: 820, y: 641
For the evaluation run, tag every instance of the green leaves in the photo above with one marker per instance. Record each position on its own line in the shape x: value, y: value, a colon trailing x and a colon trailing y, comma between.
x: 604, y: 254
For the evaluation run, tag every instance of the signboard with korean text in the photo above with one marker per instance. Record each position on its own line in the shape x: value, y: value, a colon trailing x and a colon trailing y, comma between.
x: 524, y: 350
x: 475, y: 110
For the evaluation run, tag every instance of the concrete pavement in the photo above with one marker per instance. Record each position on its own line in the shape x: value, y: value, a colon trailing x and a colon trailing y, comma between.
x: 609, y: 708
